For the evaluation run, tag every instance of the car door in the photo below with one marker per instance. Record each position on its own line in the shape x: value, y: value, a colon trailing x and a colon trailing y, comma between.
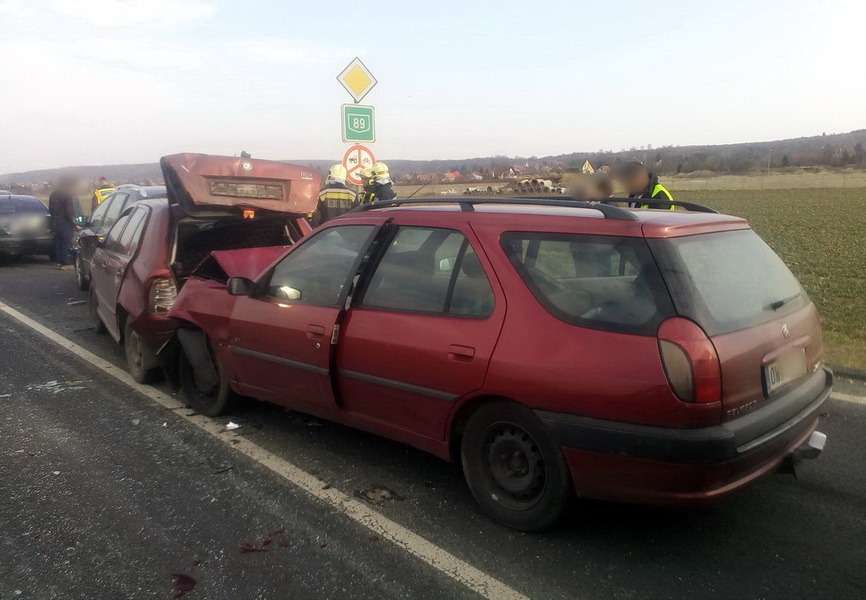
x: 280, y: 337
x: 111, y: 263
x: 421, y: 329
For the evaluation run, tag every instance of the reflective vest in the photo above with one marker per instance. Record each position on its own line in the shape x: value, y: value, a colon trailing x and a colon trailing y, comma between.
x: 333, y: 202
x: 660, y: 192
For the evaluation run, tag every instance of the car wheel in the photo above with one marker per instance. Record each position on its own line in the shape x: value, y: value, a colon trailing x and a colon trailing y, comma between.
x: 210, y: 400
x: 95, y: 321
x: 140, y: 359
x: 514, y: 469
x: 83, y: 283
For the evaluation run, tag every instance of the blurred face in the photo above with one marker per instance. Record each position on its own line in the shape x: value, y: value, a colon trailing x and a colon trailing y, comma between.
x: 636, y: 182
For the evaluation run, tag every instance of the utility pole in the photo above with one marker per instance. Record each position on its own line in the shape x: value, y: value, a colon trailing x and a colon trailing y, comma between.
x: 769, y: 155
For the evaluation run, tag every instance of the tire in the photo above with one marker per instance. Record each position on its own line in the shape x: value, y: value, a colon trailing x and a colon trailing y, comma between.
x: 140, y: 359
x: 513, y: 467
x: 83, y: 282
x: 98, y: 326
x: 213, y: 402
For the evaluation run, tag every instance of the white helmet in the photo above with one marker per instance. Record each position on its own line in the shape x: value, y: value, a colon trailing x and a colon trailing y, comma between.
x: 337, y: 173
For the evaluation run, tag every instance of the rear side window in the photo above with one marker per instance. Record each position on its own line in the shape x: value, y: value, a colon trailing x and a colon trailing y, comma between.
x: 728, y: 281
x: 112, y: 240
x: 431, y: 271
x: 599, y: 282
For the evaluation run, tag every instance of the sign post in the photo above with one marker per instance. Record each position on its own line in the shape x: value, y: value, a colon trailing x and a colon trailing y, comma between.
x: 359, y: 124
x: 356, y: 159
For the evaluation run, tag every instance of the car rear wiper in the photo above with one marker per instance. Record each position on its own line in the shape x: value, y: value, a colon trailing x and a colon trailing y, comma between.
x: 780, y: 303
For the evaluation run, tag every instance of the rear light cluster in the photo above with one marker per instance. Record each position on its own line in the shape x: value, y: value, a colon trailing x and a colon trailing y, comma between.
x: 690, y: 361
x: 162, y: 295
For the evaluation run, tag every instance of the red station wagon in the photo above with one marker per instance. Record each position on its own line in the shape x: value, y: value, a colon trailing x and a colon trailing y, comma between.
x: 213, y: 203
x: 549, y: 346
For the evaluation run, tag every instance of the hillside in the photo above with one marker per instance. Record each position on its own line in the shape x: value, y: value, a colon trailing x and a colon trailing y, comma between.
x: 834, y: 150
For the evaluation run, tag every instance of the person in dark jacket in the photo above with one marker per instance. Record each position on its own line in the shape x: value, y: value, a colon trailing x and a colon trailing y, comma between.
x: 65, y: 207
x: 641, y: 183
x: 335, y: 199
x: 379, y: 185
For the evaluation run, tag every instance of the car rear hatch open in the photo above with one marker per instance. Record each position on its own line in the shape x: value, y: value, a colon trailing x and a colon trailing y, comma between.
x: 765, y: 329
x: 204, y: 185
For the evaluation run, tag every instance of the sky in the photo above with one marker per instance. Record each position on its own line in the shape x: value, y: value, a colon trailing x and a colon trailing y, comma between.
x: 127, y: 81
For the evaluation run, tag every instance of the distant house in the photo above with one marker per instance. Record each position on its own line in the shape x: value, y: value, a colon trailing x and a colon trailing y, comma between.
x: 425, y: 177
x: 477, y: 177
x: 407, y: 178
x: 452, y: 176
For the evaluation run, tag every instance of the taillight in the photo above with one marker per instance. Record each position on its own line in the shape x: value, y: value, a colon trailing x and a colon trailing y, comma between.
x: 690, y: 361
x: 162, y: 295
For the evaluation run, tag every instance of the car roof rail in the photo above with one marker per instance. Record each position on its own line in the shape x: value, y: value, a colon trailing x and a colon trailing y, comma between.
x: 659, y: 203
x: 468, y: 204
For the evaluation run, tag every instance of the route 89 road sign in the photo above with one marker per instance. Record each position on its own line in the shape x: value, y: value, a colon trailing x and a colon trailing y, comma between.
x: 356, y: 159
x: 359, y: 123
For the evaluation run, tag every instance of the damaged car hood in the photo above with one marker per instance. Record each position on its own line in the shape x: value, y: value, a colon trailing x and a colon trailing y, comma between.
x: 246, y: 262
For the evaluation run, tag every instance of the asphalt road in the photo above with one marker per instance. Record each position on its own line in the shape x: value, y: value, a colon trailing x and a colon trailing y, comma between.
x: 106, y: 494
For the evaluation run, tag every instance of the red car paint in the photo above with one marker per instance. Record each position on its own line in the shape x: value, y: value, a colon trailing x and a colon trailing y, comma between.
x: 199, y: 188
x: 605, y: 395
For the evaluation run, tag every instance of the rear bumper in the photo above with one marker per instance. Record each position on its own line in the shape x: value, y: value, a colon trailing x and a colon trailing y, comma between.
x: 644, y: 463
x: 19, y: 246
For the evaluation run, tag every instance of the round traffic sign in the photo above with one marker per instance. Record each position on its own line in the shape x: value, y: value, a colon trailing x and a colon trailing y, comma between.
x: 356, y: 159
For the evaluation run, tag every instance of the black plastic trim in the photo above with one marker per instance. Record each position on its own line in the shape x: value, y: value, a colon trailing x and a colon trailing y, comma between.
x: 287, y: 362
x: 399, y: 385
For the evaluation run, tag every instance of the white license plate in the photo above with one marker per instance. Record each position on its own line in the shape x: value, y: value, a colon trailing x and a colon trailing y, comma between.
x: 784, y: 370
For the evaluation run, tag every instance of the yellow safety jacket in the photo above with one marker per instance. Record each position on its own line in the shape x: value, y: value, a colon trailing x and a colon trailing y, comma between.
x: 660, y: 192
x: 333, y: 202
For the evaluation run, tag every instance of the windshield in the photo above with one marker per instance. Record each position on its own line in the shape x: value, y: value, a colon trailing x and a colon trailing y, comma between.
x: 728, y: 281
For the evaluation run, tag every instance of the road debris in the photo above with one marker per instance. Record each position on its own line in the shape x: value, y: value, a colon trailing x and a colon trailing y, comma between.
x: 183, y: 583
x: 231, y: 426
x: 136, y: 422
x: 247, y: 547
x: 75, y: 302
x: 377, y: 494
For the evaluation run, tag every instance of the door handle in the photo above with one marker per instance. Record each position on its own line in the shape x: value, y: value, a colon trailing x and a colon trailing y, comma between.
x: 457, y: 352
x: 315, y: 332
x: 120, y: 272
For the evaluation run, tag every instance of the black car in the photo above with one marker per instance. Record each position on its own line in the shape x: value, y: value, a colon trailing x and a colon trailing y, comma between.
x: 100, y: 222
x: 25, y: 226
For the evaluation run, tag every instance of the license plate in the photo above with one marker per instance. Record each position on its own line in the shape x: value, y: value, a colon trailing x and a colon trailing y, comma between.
x: 784, y: 370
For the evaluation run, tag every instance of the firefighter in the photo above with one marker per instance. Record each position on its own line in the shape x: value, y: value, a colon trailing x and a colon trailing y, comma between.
x: 335, y: 199
x: 378, y: 184
x: 641, y: 183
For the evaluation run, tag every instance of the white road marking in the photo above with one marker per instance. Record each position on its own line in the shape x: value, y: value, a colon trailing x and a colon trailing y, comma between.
x: 411, y: 542
x: 849, y: 398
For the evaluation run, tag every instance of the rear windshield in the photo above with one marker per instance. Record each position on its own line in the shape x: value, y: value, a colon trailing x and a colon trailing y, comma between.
x: 21, y: 204
x: 600, y: 282
x: 728, y: 281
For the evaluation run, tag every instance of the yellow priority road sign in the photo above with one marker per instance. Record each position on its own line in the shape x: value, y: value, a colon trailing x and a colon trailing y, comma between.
x: 357, y: 79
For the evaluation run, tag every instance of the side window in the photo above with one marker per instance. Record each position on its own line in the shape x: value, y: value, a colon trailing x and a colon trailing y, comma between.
x: 128, y: 241
x: 595, y: 281
x: 112, y: 240
x: 118, y: 203
x: 432, y: 271
x: 318, y: 271
x: 98, y: 216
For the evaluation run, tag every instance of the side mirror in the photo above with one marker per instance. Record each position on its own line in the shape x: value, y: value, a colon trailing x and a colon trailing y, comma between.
x: 240, y: 286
